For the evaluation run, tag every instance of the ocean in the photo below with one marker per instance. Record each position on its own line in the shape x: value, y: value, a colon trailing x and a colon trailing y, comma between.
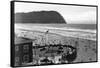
x: 80, y: 27
x: 77, y: 26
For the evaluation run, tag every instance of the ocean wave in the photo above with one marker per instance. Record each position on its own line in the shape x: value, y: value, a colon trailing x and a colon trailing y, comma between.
x: 72, y: 29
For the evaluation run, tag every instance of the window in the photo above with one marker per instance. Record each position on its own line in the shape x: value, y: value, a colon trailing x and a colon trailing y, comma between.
x: 25, y: 58
x: 25, y: 48
x: 16, y: 59
x: 16, y: 48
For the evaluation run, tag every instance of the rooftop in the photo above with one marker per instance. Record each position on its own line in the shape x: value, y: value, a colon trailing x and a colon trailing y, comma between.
x: 21, y: 40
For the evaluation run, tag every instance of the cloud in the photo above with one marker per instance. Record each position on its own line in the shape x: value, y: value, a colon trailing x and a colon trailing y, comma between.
x: 88, y: 17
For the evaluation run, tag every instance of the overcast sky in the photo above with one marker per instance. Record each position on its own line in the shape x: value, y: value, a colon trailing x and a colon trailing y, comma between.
x: 72, y: 14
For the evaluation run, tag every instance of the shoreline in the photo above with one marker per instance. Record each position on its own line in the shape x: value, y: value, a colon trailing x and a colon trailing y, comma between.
x: 87, y: 36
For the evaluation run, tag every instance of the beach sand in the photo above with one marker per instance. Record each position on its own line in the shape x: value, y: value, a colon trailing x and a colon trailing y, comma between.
x: 86, y: 48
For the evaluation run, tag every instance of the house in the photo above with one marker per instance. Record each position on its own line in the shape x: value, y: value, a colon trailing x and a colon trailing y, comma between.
x: 23, y: 51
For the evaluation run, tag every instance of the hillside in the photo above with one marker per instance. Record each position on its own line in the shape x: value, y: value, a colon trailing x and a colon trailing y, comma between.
x: 41, y: 17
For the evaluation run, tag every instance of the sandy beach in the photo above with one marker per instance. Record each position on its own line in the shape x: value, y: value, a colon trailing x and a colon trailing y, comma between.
x: 86, y: 43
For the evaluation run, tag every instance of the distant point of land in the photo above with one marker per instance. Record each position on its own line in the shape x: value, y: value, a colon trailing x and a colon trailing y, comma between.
x: 41, y: 17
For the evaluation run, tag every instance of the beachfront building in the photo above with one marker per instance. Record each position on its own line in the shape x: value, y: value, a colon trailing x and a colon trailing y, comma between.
x: 23, y: 51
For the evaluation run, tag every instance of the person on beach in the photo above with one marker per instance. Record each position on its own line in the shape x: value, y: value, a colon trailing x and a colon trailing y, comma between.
x: 47, y: 31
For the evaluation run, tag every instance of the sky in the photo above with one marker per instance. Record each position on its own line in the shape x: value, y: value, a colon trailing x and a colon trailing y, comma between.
x: 71, y: 13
